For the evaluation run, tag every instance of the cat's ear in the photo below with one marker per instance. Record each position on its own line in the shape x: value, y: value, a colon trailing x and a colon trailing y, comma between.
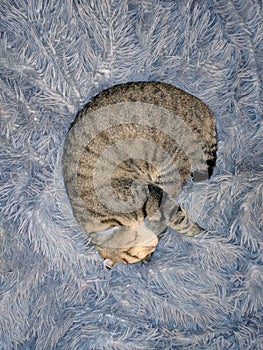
x: 108, y: 263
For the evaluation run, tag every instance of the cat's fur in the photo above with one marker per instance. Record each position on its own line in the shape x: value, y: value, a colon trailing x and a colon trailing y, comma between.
x: 155, y: 180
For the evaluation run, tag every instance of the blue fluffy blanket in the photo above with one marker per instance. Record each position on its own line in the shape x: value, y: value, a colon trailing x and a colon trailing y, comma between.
x: 201, y: 293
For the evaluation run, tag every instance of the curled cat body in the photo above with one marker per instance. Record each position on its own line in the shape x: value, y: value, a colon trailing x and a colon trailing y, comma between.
x: 126, y: 157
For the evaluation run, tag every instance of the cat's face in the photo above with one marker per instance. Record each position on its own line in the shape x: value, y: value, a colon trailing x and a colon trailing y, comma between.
x: 125, y: 244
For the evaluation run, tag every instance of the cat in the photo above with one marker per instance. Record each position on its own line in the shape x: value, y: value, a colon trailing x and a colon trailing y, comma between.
x: 126, y: 157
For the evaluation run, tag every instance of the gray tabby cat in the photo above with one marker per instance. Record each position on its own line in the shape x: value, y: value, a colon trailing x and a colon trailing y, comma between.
x: 126, y: 157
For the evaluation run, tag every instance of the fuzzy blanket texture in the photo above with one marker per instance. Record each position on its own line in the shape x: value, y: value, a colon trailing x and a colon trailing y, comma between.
x: 196, y: 293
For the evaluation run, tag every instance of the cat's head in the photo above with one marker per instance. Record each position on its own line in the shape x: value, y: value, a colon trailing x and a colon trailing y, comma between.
x: 126, y: 245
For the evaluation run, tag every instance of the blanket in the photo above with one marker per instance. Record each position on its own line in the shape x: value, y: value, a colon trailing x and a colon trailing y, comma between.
x: 195, y: 293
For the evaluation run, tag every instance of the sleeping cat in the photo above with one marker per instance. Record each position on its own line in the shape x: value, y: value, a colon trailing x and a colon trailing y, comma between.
x: 126, y: 157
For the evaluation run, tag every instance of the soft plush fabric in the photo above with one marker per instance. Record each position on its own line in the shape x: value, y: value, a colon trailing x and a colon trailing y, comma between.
x: 201, y: 293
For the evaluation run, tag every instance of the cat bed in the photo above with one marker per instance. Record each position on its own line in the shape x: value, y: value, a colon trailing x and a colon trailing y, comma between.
x: 195, y: 293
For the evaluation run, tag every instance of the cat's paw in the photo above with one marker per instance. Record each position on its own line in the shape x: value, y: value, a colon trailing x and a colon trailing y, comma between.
x: 108, y: 263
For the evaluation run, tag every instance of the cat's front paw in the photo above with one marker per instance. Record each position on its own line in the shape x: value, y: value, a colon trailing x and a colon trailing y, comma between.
x: 108, y: 263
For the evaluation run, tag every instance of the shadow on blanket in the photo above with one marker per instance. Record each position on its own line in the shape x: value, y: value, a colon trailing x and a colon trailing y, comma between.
x: 201, y: 293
